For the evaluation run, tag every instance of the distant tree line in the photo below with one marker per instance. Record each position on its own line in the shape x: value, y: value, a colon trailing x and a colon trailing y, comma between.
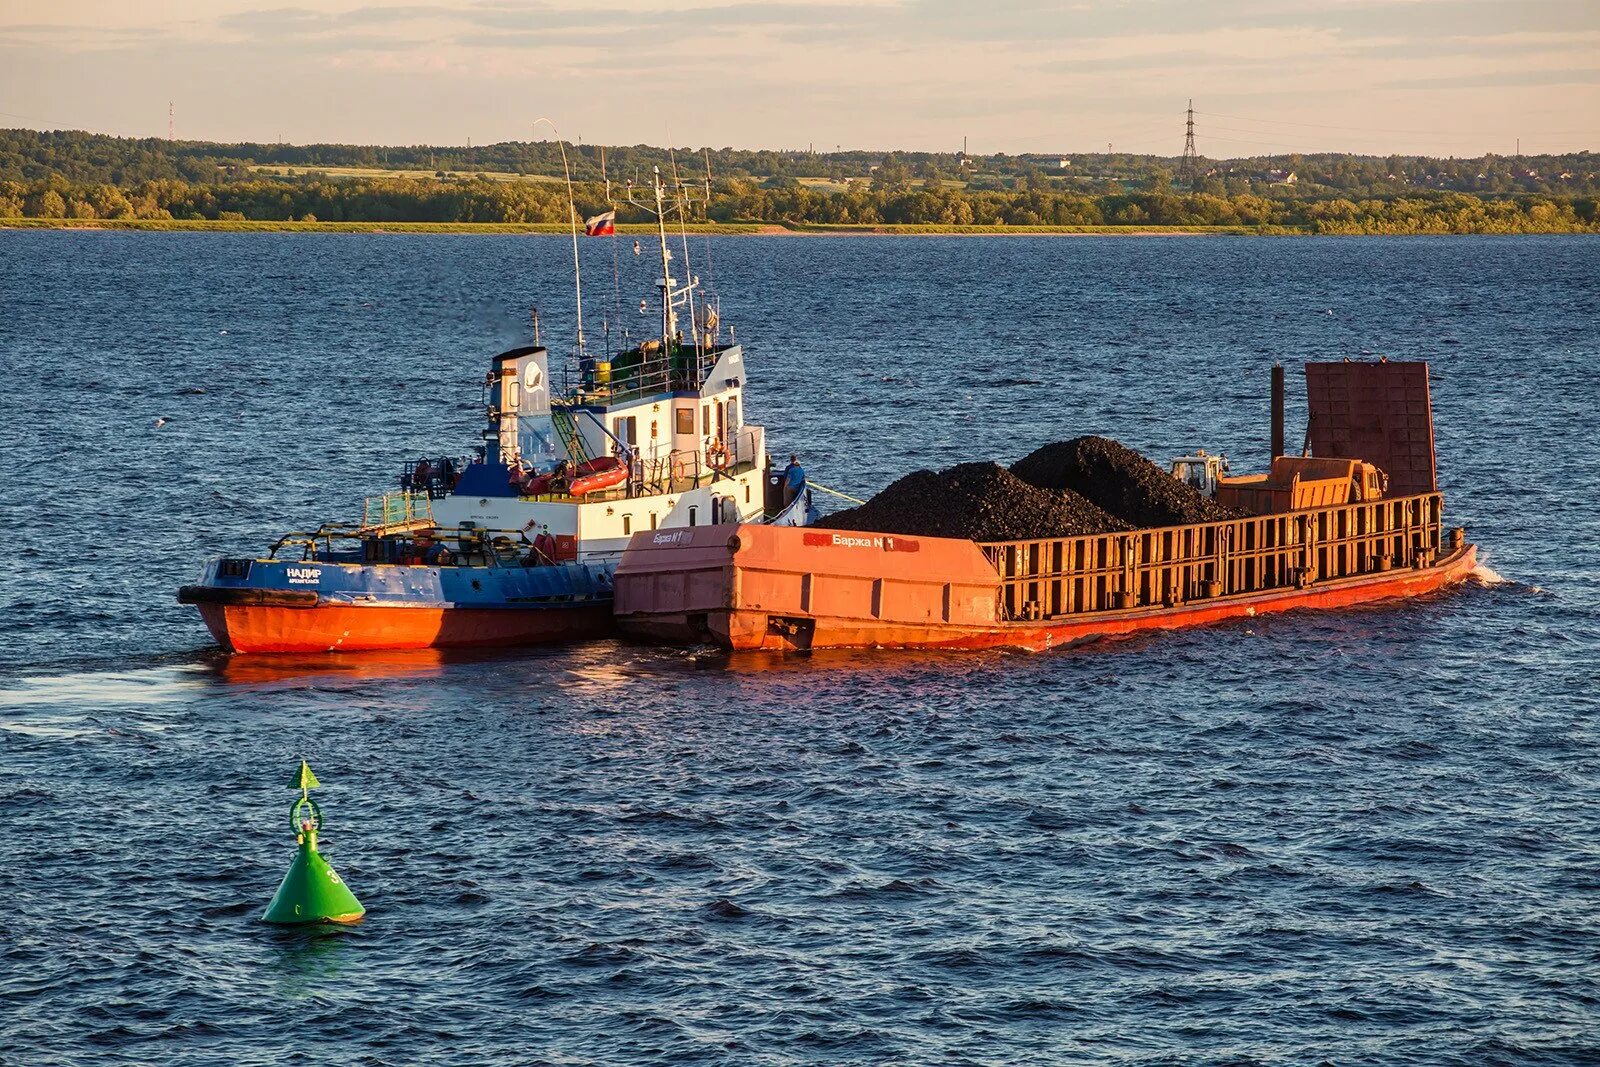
x: 1429, y: 213
x: 740, y: 200
x: 76, y: 156
x: 87, y: 176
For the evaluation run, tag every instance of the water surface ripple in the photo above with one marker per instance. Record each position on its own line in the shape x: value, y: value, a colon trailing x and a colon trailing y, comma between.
x: 1358, y: 837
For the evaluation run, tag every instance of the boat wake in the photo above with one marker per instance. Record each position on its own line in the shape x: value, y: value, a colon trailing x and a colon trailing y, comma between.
x: 1490, y: 578
x: 1485, y: 575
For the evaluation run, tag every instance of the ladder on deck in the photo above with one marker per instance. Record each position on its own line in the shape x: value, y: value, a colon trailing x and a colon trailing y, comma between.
x: 566, y: 423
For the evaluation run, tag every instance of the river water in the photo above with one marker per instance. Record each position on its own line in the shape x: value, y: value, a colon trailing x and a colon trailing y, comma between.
x: 1370, y: 836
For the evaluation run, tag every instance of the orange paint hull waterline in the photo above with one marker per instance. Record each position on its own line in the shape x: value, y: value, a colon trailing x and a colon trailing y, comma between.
x: 360, y: 628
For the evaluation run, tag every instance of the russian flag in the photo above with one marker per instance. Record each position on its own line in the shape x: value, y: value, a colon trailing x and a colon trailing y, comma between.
x: 600, y: 225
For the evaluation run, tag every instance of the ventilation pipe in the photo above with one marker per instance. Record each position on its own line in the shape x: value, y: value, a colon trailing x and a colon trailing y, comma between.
x: 1277, y: 410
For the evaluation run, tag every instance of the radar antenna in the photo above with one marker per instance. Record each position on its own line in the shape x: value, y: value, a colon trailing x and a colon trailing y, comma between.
x: 672, y: 296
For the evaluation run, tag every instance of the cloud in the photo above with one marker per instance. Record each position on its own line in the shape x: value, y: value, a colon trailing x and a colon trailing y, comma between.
x: 62, y: 35
x: 1500, y: 79
x: 1028, y: 74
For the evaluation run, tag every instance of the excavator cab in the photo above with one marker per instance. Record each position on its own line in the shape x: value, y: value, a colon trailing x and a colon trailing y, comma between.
x: 1201, y: 471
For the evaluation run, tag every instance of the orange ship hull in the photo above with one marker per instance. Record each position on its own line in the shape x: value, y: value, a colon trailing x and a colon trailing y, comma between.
x: 752, y: 588
x: 339, y: 628
x: 750, y: 630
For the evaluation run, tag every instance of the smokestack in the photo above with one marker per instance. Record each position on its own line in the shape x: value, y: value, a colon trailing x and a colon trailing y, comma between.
x: 1277, y: 410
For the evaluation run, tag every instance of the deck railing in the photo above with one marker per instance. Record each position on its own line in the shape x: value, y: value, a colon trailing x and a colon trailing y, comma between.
x: 393, y: 511
x: 675, y: 471
x: 1047, y: 579
x: 655, y: 370
x: 432, y: 476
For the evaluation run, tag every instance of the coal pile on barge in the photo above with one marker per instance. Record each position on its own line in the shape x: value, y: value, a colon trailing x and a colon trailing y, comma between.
x: 1076, y: 488
x: 1121, y: 481
x: 979, y: 501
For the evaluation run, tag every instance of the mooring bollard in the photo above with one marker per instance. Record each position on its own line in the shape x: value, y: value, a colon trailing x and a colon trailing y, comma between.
x: 312, y: 891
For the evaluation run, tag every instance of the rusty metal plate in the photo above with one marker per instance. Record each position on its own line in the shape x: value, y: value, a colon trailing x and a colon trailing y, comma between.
x: 1380, y: 412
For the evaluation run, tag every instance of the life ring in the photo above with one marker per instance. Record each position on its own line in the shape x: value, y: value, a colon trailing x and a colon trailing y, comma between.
x: 717, y: 455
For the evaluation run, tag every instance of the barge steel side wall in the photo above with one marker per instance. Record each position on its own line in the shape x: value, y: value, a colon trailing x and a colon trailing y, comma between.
x: 1177, y: 564
x: 751, y: 587
x: 682, y: 585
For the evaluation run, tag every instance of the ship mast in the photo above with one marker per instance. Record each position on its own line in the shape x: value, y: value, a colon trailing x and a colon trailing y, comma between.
x: 669, y: 319
x: 672, y: 296
x: 680, y: 202
x: 572, y: 223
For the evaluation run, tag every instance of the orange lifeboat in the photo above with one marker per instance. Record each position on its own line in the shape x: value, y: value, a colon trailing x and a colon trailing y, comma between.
x: 598, y: 474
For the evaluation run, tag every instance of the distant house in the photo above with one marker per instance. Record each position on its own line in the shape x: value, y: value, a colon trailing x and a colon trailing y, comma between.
x: 1064, y: 164
x: 1282, y: 177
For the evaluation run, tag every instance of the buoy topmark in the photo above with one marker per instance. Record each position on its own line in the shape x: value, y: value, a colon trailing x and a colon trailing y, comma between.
x: 312, y: 891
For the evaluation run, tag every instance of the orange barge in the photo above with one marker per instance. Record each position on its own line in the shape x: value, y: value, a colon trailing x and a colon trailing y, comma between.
x: 784, y: 589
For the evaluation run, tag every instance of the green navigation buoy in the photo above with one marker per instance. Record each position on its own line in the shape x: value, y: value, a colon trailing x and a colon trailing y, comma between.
x: 312, y: 891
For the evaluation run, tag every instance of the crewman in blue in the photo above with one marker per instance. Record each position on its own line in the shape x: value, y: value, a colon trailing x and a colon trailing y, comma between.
x: 794, y: 480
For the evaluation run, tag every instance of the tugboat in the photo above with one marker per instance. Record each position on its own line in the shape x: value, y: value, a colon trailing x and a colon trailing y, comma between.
x: 518, y: 544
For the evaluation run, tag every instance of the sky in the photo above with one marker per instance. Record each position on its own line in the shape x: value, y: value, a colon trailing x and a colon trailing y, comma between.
x: 1436, y: 77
